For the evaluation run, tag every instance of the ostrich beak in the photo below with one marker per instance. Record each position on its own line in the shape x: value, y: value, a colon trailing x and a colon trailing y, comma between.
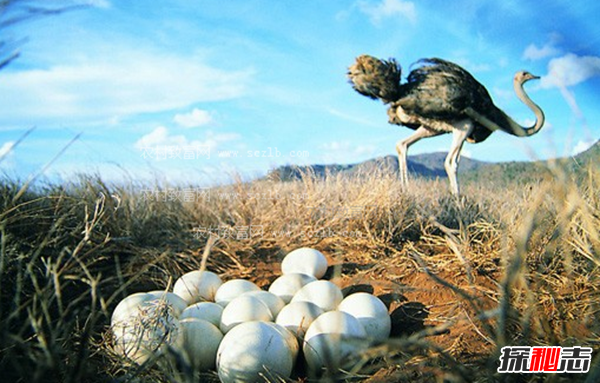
x: 534, y: 77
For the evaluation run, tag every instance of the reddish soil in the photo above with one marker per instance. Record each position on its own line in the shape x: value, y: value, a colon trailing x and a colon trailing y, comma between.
x: 415, y: 300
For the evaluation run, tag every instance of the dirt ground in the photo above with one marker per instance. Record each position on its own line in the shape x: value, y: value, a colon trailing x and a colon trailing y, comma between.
x: 417, y: 302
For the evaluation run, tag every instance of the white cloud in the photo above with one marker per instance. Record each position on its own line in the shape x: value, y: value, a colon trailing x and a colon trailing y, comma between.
x: 126, y: 83
x: 532, y: 52
x: 193, y: 119
x: 160, y: 137
x: 570, y: 70
x: 388, y: 9
x: 582, y: 146
x: 6, y: 148
x: 569, y: 97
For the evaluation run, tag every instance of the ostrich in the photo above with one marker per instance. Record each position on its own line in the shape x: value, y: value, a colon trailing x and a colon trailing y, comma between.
x: 439, y: 97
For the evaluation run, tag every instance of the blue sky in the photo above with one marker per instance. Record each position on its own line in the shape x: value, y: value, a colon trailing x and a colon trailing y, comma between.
x: 263, y: 82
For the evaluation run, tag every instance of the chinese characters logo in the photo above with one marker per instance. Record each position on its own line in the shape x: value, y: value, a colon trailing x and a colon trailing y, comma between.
x: 515, y: 359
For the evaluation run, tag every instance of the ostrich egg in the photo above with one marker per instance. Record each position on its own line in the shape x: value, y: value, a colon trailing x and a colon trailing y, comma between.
x: 197, y: 286
x: 244, y: 309
x: 332, y: 340
x: 208, y: 311
x: 175, y: 301
x: 201, y: 340
x: 129, y: 306
x: 150, y: 332
x: 306, y: 261
x: 253, y: 350
x: 287, y: 285
x: 233, y: 289
x: 134, y: 303
x: 298, y: 316
x: 273, y: 302
x: 324, y: 294
x: 371, y: 312
x: 290, y: 339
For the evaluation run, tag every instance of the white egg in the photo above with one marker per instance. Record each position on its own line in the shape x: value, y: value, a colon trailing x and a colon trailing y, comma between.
x: 150, y: 332
x: 252, y: 351
x: 131, y: 346
x: 208, y: 311
x: 371, y: 312
x: 244, y: 309
x: 178, y: 303
x: 332, y: 342
x: 273, y: 302
x: 129, y: 306
x: 201, y: 341
x: 290, y: 338
x: 197, y: 286
x: 233, y: 289
x: 306, y: 261
x: 298, y: 316
x: 324, y: 294
x: 287, y: 285
x: 335, y: 322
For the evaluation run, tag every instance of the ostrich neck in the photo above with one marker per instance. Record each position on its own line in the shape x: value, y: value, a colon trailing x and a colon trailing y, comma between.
x: 521, y: 131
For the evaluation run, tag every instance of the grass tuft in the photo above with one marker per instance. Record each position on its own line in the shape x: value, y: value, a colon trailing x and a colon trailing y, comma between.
x: 507, y: 264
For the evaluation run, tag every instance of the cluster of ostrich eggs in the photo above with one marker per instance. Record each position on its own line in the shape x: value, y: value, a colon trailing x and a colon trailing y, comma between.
x: 246, y: 333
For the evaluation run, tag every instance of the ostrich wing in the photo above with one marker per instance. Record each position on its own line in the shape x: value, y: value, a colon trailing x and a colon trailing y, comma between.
x: 440, y: 90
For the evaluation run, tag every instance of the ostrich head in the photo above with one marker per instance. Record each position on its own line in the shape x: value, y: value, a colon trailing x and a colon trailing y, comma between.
x: 376, y: 78
x: 522, y: 77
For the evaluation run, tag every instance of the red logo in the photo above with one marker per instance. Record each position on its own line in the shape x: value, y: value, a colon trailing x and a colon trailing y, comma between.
x: 523, y: 359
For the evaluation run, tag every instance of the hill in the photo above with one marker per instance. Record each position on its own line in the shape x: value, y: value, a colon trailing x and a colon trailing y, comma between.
x: 525, y: 172
x: 590, y: 155
x: 431, y: 165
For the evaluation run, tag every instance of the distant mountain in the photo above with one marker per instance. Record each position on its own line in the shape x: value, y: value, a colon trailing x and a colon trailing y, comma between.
x: 524, y: 172
x: 592, y: 154
x: 431, y: 165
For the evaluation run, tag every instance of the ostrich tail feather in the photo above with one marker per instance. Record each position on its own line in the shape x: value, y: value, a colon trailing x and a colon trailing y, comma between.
x: 376, y: 79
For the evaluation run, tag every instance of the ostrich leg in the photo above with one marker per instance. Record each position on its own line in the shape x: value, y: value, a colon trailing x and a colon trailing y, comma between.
x: 460, y: 134
x: 402, y: 148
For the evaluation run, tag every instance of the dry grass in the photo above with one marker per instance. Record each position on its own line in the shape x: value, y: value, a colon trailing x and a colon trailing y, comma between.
x: 502, y: 266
